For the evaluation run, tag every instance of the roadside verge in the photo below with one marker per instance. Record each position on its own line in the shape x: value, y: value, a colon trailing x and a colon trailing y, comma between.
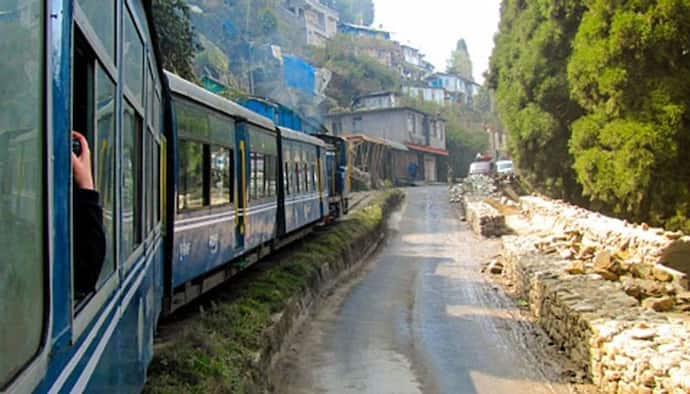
x: 230, y: 344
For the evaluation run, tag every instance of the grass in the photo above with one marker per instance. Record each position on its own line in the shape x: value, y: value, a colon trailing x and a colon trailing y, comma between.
x: 220, y: 348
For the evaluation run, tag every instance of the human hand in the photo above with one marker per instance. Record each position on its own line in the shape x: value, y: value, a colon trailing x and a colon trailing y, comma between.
x: 81, y: 165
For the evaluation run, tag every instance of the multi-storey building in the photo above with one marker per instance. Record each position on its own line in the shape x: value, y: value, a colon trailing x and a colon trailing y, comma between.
x: 320, y: 21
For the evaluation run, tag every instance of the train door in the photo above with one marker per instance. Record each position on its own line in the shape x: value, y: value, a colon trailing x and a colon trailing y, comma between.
x: 242, y: 176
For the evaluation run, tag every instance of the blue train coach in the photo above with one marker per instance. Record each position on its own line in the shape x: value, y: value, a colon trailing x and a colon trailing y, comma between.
x: 193, y: 188
x: 89, y: 66
x: 243, y: 187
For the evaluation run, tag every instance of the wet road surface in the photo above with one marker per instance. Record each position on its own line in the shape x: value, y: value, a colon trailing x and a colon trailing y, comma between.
x: 420, y: 319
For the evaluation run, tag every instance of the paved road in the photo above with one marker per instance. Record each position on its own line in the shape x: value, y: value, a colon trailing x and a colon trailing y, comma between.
x: 421, y: 319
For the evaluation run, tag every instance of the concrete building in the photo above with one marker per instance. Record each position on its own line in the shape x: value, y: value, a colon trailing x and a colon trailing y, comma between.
x: 422, y: 135
x: 425, y: 93
x: 363, y: 31
x: 376, y: 101
x: 320, y: 21
x: 459, y: 89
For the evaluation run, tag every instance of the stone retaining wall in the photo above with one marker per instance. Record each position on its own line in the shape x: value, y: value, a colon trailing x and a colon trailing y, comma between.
x: 484, y: 219
x: 584, y: 277
x: 644, y: 246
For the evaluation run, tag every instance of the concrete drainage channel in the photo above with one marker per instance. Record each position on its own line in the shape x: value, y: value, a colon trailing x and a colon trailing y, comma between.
x: 230, y: 343
x: 612, y: 295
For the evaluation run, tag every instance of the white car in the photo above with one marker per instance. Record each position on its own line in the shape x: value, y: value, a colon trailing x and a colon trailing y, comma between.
x: 504, y: 168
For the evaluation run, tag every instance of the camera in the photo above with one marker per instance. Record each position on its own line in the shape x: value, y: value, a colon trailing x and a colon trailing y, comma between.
x: 76, y: 147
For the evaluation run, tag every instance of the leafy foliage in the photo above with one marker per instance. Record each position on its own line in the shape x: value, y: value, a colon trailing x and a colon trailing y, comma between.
x: 360, y: 12
x: 353, y: 75
x: 629, y: 70
x: 528, y: 72
x: 460, y: 62
x: 596, y: 92
x: 176, y: 37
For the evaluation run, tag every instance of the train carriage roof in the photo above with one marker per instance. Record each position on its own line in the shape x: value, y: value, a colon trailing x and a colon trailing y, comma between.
x: 302, y: 137
x: 182, y: 87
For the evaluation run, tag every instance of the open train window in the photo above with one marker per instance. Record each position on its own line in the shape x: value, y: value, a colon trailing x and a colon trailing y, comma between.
x: 93, y: 115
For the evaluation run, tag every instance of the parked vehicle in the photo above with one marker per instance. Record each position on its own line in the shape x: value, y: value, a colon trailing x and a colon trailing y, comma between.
x: 504, y: 168
x: 480, y: 168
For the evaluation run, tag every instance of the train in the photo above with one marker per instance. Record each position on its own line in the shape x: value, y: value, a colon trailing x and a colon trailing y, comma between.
x: 194, y: 188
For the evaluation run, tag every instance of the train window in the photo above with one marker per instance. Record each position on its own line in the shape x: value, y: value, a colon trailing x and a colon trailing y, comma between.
x: 191, y: 176
x: 148, y: 154
x: 192, y: 120
x: 298, y: 177
x: 103, y: 152
x: 271, y: 175
x: 133, y: 58
x: 149, y: 99
x: 22, y: 264
x: 260, y: 176
x: 286, y: 178
x: 221, y: 180
x: 306, y: 177
x: 131, y: 180
x: 101, y: 16
x: 256, y: 179
x: 157, y: 181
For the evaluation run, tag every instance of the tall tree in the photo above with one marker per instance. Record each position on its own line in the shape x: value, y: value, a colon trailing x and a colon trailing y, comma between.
x: 460, y: 62
x: 359, y: 12
x: 528, y: 72
x: 176, y: 36
x: 629, y: 70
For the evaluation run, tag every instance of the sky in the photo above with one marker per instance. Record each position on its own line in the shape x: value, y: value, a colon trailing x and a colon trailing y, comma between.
x: 435, y: 26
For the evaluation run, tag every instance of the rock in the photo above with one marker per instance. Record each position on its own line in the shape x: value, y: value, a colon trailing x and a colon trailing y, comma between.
x: 662, y: 275
x: 608, y: 275
x: 604, y: 261
x: 576, y: 267
x: 496, y: 267
x: 633, y: 290
x: 659, y: 304
x: 643, y: 333
x: 567, y: 254
x: 683, y: 296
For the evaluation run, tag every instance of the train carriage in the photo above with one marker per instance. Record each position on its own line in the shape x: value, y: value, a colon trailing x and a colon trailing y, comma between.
x: 193, y: 188
x: 91, y: 67
x: 243, y: 187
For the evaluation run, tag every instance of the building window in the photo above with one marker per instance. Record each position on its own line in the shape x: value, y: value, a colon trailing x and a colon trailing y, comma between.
x: 357, y: 123
x: 411, y: 124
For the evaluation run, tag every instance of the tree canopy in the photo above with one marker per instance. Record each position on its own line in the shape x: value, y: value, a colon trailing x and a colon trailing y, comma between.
x: 360, y: 12
x: 528, y: 72
x: 176, y: 36
x: 629, y: 70
x: 595, y: 96
x: 460, y: 62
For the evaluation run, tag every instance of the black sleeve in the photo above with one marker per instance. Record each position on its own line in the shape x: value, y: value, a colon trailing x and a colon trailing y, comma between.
x: 89, y: 241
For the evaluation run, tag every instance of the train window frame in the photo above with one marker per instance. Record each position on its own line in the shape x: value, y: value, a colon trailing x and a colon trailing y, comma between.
x: 129, y: 257
x: 84, y: 312
x: 230, y: 172
x: 33, y: 369
x: 204, y: 178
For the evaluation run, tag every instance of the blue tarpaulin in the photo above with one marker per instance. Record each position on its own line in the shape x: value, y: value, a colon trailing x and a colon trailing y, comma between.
x: 299, y: 74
